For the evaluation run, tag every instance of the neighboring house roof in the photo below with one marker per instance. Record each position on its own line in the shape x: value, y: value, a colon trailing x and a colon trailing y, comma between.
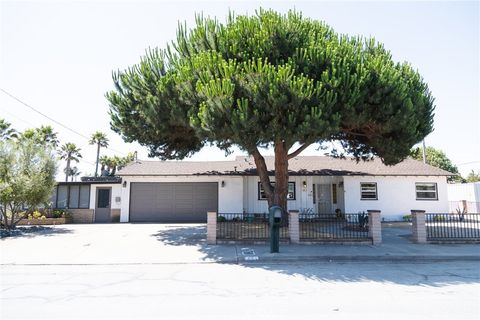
x: 307, y: 165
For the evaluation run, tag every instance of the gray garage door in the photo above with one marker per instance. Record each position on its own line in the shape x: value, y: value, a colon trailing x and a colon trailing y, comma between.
x: 172, y: 202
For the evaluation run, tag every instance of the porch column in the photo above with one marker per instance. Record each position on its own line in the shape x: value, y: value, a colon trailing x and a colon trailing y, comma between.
x: 375, y: 226
x: 419, y: 229
x: 293, y: 226
x: 211, y: 227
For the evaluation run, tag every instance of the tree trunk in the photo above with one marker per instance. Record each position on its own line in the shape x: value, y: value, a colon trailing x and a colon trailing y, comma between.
x: 262, y: 172
x: 276, y: 196
x: 98, y: 158
x: 280, y: 191
x: 67, y: 171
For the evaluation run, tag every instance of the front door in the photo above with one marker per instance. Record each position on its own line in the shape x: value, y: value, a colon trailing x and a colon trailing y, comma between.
x: 102, y: 206
x: 324, y: 198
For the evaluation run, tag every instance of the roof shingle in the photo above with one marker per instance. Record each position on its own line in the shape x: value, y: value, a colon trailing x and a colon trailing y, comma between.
x: 303, y: 165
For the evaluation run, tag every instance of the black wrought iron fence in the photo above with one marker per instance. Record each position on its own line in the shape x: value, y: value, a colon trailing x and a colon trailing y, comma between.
x: 349, y: 226
x: 452, y: 226
x: 243, y: 226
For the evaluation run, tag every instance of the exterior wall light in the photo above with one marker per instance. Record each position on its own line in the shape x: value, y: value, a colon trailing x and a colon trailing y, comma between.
x: 124, y: 184
x: 223, y: 184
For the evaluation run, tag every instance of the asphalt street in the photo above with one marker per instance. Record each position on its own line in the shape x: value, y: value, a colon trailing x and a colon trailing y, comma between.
x: 321, y: 290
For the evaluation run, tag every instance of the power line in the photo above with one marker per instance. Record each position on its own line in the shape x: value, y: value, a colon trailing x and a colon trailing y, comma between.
x: 53, y: 120
x: 465, y: 163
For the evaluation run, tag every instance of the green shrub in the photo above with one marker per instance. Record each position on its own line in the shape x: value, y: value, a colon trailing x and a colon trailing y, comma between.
x: 407, y: 217
x: 36, y: 214
x: 363, y: 219
x: 439, y: 217
x: 221, y: 219
x: 57, y: 213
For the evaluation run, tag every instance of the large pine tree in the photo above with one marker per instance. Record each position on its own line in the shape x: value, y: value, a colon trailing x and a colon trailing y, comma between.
x: 271, y: 80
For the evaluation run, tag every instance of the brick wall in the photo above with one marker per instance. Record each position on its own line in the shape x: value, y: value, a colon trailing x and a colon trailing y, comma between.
x: 82, y: 215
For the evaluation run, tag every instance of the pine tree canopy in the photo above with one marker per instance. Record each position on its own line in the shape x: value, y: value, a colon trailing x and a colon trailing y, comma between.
x: 271, y: 80
x: 255, y: 81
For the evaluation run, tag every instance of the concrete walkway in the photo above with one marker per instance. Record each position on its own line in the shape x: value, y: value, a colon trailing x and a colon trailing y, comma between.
x: 173, y: 244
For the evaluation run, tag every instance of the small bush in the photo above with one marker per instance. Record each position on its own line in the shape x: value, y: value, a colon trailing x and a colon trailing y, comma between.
x: 407, y: 217
x: 339, y: 214
x: 439, y: 218
x: 36, y: 214
x: 363, y: 219
x: 221, y: 219
x: 43, y: 217
x: 58, y: 213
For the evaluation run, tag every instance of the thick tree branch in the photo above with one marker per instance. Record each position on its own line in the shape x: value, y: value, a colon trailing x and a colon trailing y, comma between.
x: 262, y: 172
x: 297, y: 152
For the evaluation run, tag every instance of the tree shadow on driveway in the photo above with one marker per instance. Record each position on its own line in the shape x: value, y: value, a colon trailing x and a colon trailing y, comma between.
x: 32, y: 232
x: 196, y: 236
x: 408, y: 273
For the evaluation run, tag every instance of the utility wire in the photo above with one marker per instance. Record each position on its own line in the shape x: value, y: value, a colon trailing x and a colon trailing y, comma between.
x: 53, y: 120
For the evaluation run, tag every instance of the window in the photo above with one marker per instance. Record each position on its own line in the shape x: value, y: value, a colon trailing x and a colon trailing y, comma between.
x: 84, y: 201
x: 368, y: 191
x: 426, y: 191
x: 290, y: 194
x: 62, y: 196
x: 334, y: 193
x: 72, y: 196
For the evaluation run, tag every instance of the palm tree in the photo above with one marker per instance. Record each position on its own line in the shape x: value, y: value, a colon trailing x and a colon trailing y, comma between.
x: 74, y: 173
x: 48, y: 136
x: 104, y: 162
x: 101, y: 140
x: 42, y: 136
x: 114, y: 162
x: 69, y: 152
x: 6, y: 133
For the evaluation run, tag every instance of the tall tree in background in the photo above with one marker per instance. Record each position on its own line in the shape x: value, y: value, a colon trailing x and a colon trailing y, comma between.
x: 27, y: 178
x: 69, y: 152
x: 110, y: 165
x: 6, y: 132
x: 271, y: 80
x: 44, y: 135
x: 437, y: 158
x: 473, y: 177
x: 101, y: 140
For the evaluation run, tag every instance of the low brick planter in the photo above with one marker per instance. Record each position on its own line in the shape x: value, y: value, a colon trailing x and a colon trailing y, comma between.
x: 47, y: 221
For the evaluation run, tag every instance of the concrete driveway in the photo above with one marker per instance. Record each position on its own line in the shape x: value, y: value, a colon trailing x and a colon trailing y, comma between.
x: 114, y: 244
x: 186, y: 243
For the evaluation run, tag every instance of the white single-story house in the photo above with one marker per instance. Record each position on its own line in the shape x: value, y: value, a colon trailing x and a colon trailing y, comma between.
x: 183, y: 191
x: 94, y: 199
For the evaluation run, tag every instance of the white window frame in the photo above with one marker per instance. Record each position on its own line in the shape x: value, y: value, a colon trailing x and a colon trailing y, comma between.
x: 370, y: 191
x: 435, y: 192
x: 261, y: 192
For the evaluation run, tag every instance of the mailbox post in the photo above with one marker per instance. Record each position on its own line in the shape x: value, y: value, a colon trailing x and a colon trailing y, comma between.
x: 275, y: 221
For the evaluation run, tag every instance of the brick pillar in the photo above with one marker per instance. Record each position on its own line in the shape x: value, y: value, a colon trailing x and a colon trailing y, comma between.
x: 293, y: 226
x: 375, y: 226
x: 211, y: 227
x: 419, y: 229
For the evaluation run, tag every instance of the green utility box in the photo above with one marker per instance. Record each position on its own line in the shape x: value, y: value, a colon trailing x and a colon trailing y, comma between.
x: 275, y: 221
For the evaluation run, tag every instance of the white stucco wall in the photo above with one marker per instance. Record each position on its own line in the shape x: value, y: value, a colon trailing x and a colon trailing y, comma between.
x: 303, y: 197
x: 229, y: 196
x: 396, y: 195
x: 115, y: 195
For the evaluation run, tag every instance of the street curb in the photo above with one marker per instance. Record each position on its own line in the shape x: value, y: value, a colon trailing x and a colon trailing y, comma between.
x: 405, y: 259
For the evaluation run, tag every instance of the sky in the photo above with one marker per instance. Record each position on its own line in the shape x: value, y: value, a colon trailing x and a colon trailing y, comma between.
x: 58, y: 57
